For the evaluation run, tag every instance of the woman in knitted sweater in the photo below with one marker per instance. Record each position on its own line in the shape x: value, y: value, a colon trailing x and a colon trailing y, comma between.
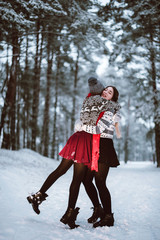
x: 96, y: 105
x: 106, y: 159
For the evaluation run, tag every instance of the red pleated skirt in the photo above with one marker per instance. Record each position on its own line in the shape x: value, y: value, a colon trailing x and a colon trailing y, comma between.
x: 78, y: 148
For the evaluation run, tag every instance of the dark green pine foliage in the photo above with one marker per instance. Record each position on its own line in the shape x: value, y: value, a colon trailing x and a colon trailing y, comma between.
x: 52, y: 43
x: 139, y: 38
x: 44, y: 12
x: 12, y: 24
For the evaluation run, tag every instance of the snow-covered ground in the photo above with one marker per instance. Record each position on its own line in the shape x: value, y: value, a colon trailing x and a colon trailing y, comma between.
x: 135, y: 190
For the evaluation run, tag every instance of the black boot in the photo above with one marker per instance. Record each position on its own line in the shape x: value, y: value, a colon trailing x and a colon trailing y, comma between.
x: 36, y: 199
x: 108, y: 220
x: 97, y: 213
x: 70, y: 217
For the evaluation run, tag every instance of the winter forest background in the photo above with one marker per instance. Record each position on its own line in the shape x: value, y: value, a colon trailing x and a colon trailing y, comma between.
x: 48, y: 51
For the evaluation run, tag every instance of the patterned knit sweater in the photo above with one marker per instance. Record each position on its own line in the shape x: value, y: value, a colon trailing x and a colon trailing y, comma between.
x: 93, y: 106
x: 105, y: 125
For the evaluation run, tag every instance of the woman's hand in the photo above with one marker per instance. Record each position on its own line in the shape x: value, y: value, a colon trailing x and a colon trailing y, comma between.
x: 78, y: 126
x: 118, y: 133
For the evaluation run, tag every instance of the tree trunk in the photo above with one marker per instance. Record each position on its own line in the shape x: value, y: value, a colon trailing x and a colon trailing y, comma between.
x: 45, y: 131
x: 57, y: 150
x: 36, y: 87
x: 26, y: 90
x: 55, y: 109
x: 27, y: 100
x: 24, y: 128
x: 155, y: 91
x: 13, y: 125
x: 126, y: 146
x: 18, y: 119
x: 8, y: 112
x: 157, y: 140
x: 74, y: 93
x: 7, y: 72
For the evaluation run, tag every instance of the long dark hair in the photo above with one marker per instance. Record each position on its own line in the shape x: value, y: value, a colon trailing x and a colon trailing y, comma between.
x: 115, y: 93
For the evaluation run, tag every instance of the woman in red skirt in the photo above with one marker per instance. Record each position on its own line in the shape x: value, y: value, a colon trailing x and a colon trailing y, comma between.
x: 81, y: 142
x: 82, y: 155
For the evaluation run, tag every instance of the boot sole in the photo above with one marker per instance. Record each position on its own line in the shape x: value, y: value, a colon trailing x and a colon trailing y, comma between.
x: 106, y: 225
x: 63, y: 221
x: 72, y: 226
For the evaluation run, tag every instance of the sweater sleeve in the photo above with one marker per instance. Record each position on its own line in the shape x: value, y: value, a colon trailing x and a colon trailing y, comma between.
x: 102, y: 124
x: 117, y: 117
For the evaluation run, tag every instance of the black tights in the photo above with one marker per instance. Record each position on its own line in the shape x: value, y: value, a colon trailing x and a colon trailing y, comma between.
x: 78, y: 175
x: 100, y: 180
x: 60, y: 170
x: 83, y: 174
x: 90, y: 188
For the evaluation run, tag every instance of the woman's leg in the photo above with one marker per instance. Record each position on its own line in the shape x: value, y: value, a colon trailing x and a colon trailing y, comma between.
x: 71, y: 213
x: 60, y: 170
x: 93, y: 195
x: 78, y: 176
x: 100, y: 179
x: 37, y: 198
x: 90, y: 188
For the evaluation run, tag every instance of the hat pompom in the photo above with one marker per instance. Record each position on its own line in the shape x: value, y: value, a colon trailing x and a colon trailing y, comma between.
x: 95, y: 86
x: 92, y: 81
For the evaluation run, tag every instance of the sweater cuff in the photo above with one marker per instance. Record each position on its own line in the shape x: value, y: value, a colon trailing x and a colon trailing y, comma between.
x: 91, y: 129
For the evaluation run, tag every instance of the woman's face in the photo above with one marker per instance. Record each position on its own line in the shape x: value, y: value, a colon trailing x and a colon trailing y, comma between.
x: 108, y: 93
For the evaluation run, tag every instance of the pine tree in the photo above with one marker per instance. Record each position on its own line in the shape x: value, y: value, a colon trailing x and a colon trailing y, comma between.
x: 137, y: 26
x: 11, y: 25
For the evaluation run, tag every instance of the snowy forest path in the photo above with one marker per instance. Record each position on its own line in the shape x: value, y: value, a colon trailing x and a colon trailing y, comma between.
x: 134, y: 189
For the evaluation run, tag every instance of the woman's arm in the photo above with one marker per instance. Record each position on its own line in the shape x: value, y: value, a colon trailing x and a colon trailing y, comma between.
x: 104, y: 123
x: 93, y: 106
x: 118, y: 133
x: 116, y: 123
